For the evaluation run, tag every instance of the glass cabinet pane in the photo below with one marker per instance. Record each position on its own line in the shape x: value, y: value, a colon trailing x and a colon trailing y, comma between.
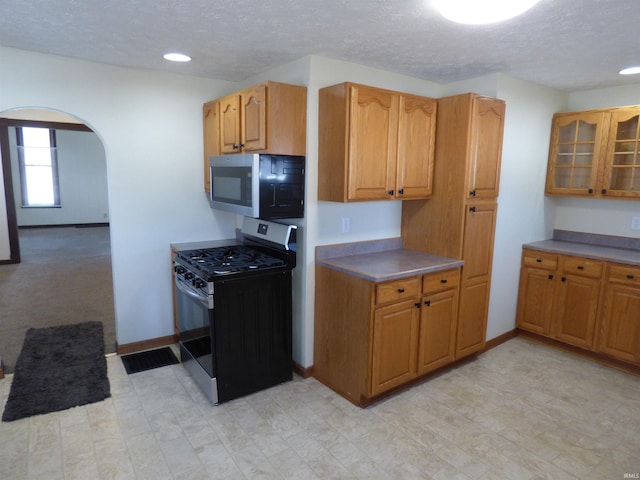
x: 628, y: 130
x: 584, y: 154
x: 621, y: 178
x: 581, y: 177
x: 586, y: 132
x: 562, y: 178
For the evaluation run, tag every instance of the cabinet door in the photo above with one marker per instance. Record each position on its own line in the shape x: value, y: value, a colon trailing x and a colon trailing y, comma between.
x: 211, y: 135
x: 253, y: 118
x: 438, y: 321
x: 621, y: 176
x: 487, y: 126
x: 477, y: 244
x: 373, y: 134
x: 472, y: 317
x: 577, y: 142
x: 620, y: 320
x: 535, y: 300
x: 416, y: 146
x: 575, y: 309
x: 230, y: 124
x: 395, y: 345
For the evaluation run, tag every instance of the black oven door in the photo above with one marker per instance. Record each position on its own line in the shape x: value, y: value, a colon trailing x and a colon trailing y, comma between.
x: 195, y: 318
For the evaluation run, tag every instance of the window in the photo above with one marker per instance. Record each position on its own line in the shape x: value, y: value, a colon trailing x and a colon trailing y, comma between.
x: 38, y: 167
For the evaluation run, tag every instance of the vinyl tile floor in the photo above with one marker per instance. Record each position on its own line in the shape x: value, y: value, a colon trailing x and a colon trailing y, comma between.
x: 520, y: 411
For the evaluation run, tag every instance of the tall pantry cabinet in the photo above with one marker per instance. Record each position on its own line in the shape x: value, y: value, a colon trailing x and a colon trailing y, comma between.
x: 460, y: 217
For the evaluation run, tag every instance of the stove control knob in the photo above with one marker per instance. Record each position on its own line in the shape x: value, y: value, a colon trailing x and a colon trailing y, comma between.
x: 199, y: 283
x: 179, y: 269
x: 188, y: 275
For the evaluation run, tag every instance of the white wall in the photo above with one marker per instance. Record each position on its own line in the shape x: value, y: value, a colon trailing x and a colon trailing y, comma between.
x: 82, y: 171
x: 151, y: 127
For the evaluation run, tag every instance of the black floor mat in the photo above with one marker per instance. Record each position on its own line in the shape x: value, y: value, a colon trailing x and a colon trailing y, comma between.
x: 139, y: 362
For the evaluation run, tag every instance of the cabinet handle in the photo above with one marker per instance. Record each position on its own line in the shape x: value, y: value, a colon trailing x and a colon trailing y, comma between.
x: 235, y: 146
x: 539, y: 260
x: 444, y: 280
x: 242, y: 145
x: 428, y: 303
x: 401, y: 290
x: 604, y: 191
x: 564, y: 279
x: 390, y: 192
x: 591, y: 190
x: 417, y: 305
x: 630, y: 277
x: 550, y: 277
x: 401, y: 191
x: 580, y: 267
x: 472, y: 193
x: 472, y: 209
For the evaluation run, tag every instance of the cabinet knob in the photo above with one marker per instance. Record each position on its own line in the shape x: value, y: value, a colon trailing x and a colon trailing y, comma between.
x: 604, y: 191
x: 401, y: 191
x: 472, y: 193
x: 550, y: 277
x: 235, y: 146
x: 564, y: 279
x: 417, y: 305
x: 472, y: 209
x: 390, y: 192
x: 591, y: 190
x: 580, y: 267
x: 444, y: 280
x: 242, y: 145
x: 539, y: 260
x: 428, y: 303
x: 630, y: 277
x: 401, y: 290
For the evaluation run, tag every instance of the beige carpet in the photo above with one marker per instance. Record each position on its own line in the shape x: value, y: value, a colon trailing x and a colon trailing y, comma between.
x: 64, y: 278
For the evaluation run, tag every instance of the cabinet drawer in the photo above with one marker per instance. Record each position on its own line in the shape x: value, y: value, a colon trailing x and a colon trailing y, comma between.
x: 436, y: 282
x: 540, y: 260
x: 582, y: 266
x: 397, y: 290
x: 624, y: 274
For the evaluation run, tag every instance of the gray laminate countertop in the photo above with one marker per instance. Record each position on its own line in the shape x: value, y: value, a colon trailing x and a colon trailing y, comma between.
x: 381, y: 260
x: 599, y: 247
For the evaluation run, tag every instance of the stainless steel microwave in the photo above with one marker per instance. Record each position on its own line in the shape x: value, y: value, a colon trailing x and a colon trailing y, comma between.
x: 258, y: 185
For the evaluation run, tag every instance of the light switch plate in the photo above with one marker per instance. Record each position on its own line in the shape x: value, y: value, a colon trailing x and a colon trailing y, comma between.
x: 346, y: 224
x: 635, y: 223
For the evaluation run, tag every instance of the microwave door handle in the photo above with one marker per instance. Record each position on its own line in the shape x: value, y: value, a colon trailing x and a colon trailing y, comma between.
x: 273, y: 195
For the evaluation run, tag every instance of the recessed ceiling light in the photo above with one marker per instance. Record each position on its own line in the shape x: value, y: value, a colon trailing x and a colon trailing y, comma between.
x: 479, y: 12
x: 629, y: 71
x: 177, y: 57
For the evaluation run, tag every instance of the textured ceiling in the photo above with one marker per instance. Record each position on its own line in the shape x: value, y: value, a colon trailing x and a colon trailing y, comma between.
x: 566, y: 44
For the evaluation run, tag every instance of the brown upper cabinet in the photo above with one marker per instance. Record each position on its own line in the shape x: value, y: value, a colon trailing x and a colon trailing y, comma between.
x: 595, y: 153
x: 267, y: 118
x: 374, y: 144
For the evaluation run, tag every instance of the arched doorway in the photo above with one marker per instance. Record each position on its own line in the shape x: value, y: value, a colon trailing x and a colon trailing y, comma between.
x: 59, y: 268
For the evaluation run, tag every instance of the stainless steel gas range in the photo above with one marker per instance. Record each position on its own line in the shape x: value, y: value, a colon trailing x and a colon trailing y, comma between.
x: 234, y: 311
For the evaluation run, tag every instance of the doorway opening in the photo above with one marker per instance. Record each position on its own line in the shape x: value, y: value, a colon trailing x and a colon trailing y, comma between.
x: 58, y: 268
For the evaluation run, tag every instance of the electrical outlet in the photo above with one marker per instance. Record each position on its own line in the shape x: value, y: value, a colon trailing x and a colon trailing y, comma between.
x: 346, y: 224
x: 635, y: 223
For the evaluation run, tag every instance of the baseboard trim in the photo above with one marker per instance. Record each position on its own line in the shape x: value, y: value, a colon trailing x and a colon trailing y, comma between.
x: 302, y: 371
x: 500, y: 339
x: 146, y: 344
x: 594, y: 356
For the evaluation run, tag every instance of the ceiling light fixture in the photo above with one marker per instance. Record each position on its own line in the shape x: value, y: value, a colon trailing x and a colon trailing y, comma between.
x: 177, y: 57
x: 480, y: 12
x: 629, y: 71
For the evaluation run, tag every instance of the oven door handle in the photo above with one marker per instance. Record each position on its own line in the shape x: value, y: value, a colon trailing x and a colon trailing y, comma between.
x: 190, y: 293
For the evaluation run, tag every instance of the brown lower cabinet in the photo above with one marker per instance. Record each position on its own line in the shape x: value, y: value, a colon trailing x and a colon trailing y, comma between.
x: 373, y: 337
x: 591, y: 304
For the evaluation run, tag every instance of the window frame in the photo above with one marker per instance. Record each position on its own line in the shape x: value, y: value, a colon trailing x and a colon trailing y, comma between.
x: 23, y: 171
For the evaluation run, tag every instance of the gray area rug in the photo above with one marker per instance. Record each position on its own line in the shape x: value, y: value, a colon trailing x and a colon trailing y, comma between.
x: 58, y: 368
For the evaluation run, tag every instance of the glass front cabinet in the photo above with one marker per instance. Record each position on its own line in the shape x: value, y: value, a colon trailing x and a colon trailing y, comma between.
x: 595, y: 153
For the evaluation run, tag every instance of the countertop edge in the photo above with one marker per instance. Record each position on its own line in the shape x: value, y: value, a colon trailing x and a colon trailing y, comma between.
x: 446, y: 265
x: 595, y: 252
